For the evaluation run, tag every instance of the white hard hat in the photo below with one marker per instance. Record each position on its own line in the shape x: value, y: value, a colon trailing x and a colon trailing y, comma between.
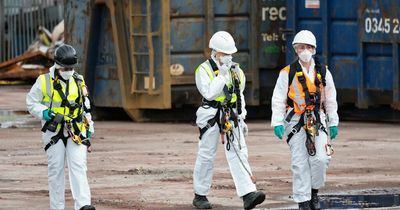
x: 223, y: 42
x: 305, y: 37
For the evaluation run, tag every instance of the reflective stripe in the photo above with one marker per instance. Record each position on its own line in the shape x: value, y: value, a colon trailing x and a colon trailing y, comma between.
x: 208, y: 68
x: 48, y: 85
x: 242, y: 79
x: 299, y: 102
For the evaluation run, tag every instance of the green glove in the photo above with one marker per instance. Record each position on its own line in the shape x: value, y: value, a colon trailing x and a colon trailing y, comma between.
x: 333, y: 131
x: 89, y: 135
x: 47, y: 114
x: 279, y: 131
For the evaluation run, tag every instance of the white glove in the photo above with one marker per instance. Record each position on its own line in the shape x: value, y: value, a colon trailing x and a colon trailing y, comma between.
x: 223, y: 69
x: 225, y: 66
x: 245, y: 129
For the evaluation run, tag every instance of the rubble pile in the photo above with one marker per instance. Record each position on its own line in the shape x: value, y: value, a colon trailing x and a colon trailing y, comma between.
x: 37, y: 59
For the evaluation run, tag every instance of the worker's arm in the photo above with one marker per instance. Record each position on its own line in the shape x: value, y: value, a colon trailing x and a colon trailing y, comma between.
x: 88, y: 117
x: 208, y: 88
x: 279, y: 98
x: 34, y: 99
x: 87, y: 103
x: 331, y: 106
x: 242, y: 87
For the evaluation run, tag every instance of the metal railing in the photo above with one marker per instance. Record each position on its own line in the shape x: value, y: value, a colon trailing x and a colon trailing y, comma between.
x: 20, y: 21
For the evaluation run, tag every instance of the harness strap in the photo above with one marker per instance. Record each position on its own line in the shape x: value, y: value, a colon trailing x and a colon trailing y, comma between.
x: 290, y: 115
x: 79, y: 99
x: 302, y: 80
x: 210, y: 123
x: 237, y: 92
x: 296, y: 128
x: 87, y: 110
x: 228, y: 94
x: 76, y: 129
x: 233, y: 117
x: 207, y: 104
x: 57, y: 86
x: 320, y: 69
x: 213, y: 64
x: 45, y: 126
x: 292, y: 72
x: 54, y: 140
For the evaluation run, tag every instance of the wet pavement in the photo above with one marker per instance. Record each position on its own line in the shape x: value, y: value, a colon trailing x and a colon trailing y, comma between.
x: 359, y: 201
x: 13, y: 111
x: 14, y: 119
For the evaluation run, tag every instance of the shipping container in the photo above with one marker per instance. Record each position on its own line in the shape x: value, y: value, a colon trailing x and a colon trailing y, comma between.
x: 359, y: 41
x: 129, y: 48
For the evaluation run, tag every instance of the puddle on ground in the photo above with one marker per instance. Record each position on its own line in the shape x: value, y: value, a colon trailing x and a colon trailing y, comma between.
x: 359, y: 201
x: 18, y: 119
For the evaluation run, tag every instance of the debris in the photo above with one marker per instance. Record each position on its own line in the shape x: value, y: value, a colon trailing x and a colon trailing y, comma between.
x: 27, y: 66
x: 37, y: 59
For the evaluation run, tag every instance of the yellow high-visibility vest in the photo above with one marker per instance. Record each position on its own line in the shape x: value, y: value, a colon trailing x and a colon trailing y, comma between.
x: 211, y: 74
x: 52, y: 98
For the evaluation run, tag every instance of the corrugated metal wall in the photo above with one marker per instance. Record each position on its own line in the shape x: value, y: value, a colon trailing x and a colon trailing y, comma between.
x: 20, y: 20
x: 359, y: 40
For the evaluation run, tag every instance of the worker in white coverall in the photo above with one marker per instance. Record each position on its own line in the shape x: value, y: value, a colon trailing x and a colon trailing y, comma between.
x: 60, y: 99
x: 303, y: 106
x: 221, y: 118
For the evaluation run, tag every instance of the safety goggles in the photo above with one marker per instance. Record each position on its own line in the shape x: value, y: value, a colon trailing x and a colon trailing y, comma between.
x: 62, y: 68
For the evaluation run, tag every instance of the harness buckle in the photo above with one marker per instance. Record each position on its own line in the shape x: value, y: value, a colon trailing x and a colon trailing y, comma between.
x: 52, y: 142
x: 208, y: 125
x: 294, y: 130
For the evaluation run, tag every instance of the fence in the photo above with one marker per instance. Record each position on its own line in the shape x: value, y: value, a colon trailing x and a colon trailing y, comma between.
x: 20, y: 20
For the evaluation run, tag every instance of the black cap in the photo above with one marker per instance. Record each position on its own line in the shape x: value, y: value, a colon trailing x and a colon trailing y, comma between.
x: 65, y: 56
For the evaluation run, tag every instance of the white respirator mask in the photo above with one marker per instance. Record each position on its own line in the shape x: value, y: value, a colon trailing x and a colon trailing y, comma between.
x: 66, y: 75
x: 305, y: 56
x: 226, y: 60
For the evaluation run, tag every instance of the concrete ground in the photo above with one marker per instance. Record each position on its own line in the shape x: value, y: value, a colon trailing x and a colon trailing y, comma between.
x: 150, y: 165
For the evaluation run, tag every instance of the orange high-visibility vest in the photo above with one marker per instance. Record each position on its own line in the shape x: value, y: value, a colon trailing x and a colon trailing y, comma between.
x: 296, y: 92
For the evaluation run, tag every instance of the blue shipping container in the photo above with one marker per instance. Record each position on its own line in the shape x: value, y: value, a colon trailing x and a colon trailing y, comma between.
x: 359, y: 40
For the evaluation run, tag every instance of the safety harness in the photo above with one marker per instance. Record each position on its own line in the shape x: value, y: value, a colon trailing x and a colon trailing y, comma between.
x: 224, y: 120
x: 225, y: 107
x: 313, y: 100
x: 69, y: 121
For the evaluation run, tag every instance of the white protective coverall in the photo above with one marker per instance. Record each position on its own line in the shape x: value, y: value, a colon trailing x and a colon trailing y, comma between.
x: 74, y: 154
x: 308, y: 171
x: 203, y: 171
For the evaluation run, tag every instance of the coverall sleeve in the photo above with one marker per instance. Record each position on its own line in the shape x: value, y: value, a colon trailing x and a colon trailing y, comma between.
x: 331, y: 103
x: 208, y: 88
x: 91, y: 123
x: 34, y: 99
x: 242, y: 87
x: 279, y: 98
x: 87, y: 103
